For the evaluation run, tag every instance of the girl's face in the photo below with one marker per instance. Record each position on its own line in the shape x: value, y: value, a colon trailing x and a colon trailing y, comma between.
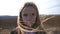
x: 29, y: 16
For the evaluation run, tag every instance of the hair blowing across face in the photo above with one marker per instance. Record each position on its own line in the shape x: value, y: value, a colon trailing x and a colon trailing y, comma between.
x: 29, y: 4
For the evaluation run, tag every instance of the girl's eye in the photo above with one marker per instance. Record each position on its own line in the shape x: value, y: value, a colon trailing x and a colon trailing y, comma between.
x: 25, y: 15
x: 33, y: 14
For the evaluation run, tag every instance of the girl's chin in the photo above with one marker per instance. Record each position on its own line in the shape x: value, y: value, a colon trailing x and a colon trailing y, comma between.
x: 29, y: 25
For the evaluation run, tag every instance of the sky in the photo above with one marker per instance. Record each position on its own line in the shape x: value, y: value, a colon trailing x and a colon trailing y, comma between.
x: 12, y: 7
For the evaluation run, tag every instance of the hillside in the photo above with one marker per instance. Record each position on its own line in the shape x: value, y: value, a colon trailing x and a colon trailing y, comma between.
x: 7, y: 23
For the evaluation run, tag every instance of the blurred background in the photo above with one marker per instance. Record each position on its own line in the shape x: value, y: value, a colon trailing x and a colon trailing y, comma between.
x: 9, y: 10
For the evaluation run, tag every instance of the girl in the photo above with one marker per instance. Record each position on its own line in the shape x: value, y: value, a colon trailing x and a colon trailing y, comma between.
x: 28, y: 20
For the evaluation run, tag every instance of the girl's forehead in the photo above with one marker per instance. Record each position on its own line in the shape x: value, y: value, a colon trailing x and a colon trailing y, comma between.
x: 29, y: 10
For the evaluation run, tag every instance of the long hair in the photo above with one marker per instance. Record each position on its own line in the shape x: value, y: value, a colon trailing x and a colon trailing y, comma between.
x: 28, y: 4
